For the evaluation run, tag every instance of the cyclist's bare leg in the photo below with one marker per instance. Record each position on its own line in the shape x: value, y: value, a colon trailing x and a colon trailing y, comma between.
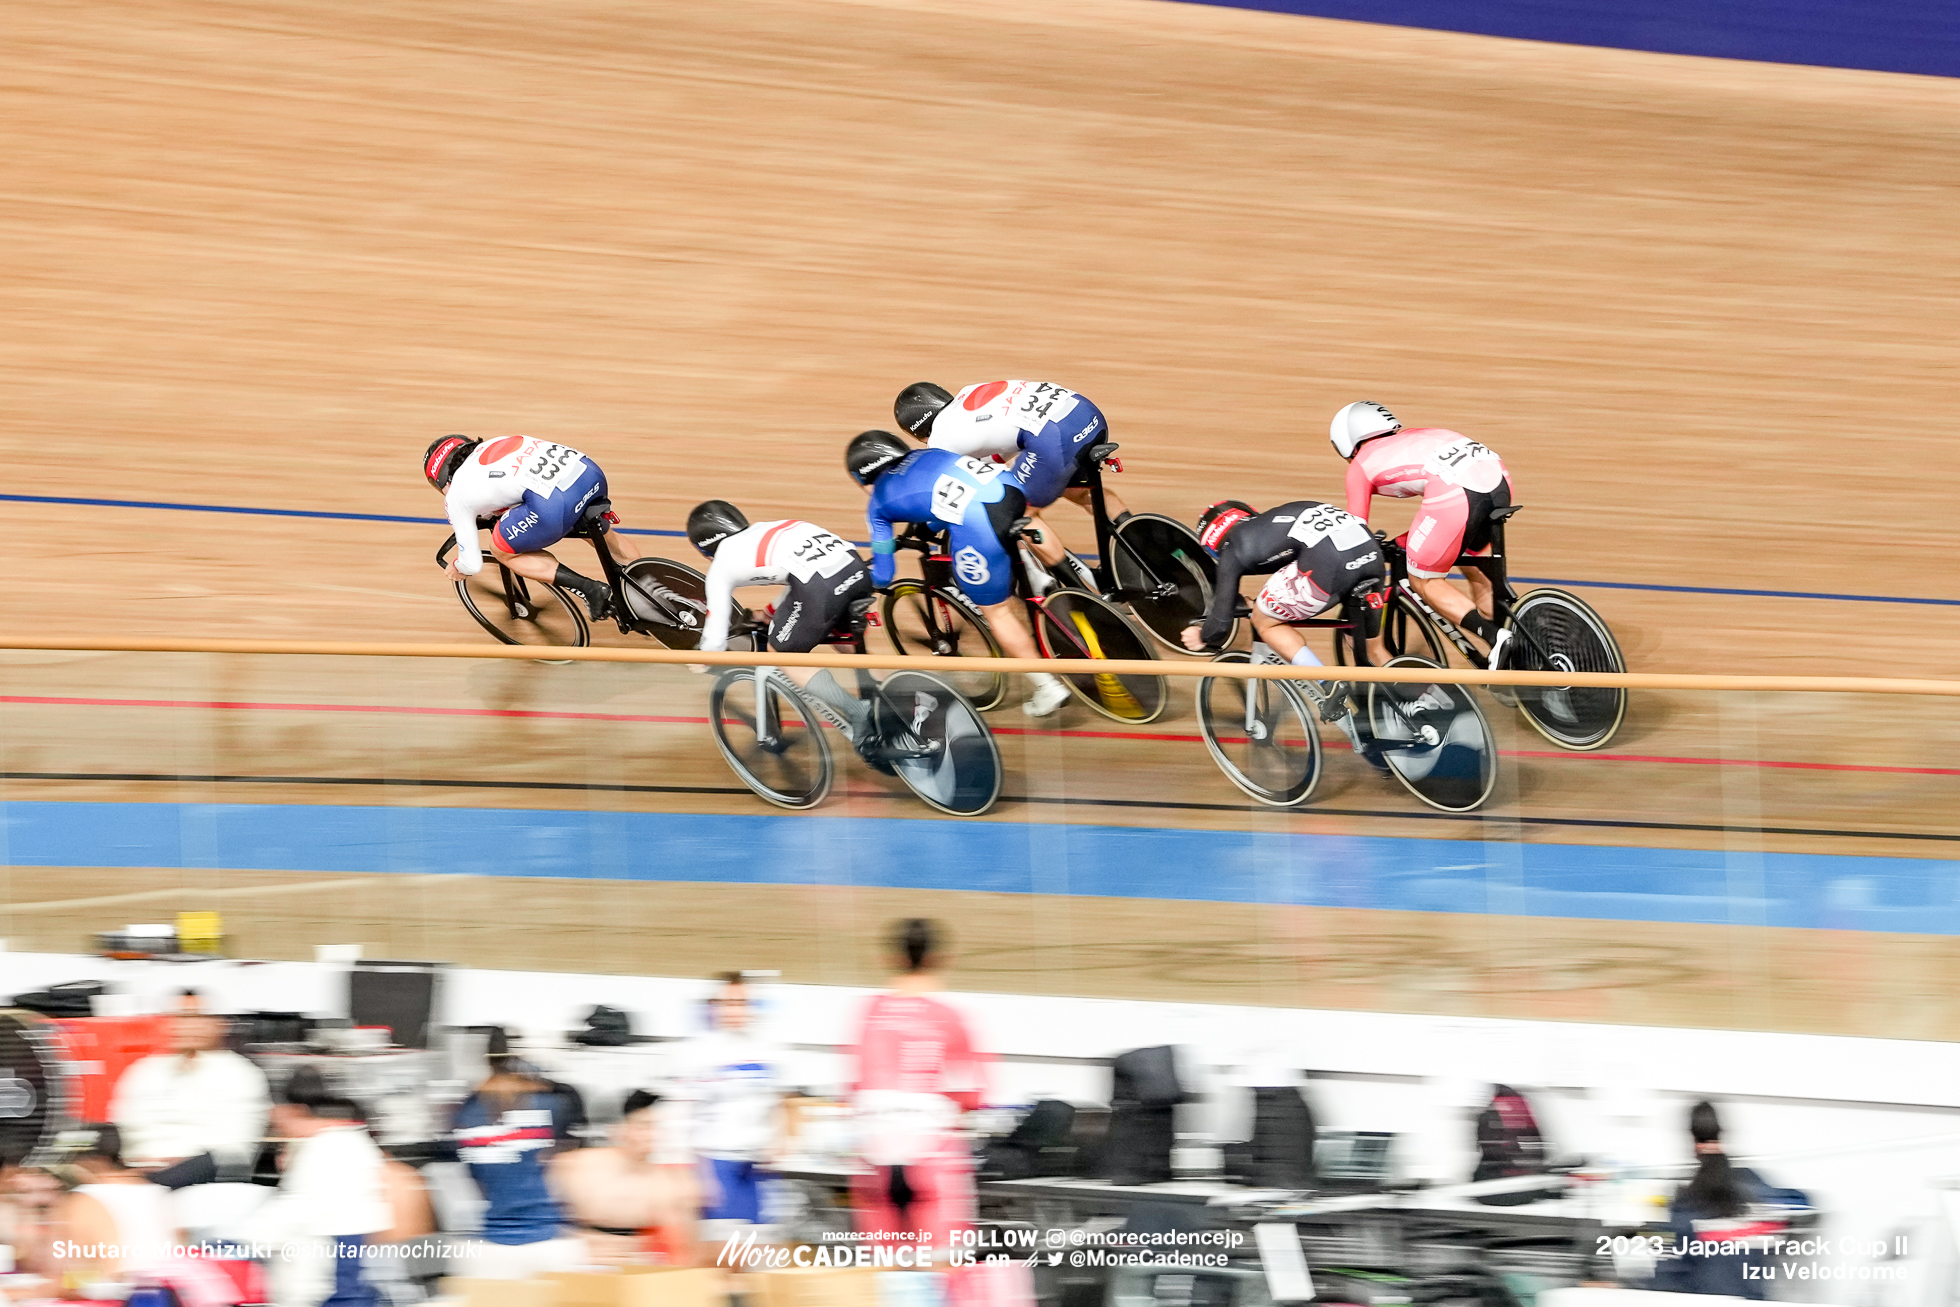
x: 1081, y: 497
x: 1048, y: 547
x: 1284, y: 640
x: 1010, y: 627
x: 536, y: 566
x: 1452, y: 602
x: 621, y: 547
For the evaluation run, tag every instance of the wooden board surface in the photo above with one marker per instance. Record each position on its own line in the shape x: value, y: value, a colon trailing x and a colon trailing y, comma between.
x: 261, y: 254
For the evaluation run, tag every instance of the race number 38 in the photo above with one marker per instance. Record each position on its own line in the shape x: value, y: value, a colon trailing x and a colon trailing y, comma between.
x: 951, y: 495
x: 1326, y: 520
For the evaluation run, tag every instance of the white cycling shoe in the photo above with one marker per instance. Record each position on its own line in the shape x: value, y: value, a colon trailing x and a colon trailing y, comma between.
x: 1048, y: 696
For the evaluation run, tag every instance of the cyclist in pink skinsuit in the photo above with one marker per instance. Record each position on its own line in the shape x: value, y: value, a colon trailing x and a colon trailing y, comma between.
x: 917, y: 1072
x: 1460, y: 482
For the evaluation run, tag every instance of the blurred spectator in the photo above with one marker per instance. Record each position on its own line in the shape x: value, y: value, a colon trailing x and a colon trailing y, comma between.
x: 505, y: 1133
x: 1709, y: 1209
x: 1508, y: 1139
x: 115, y: 1227
x: 732, y: 1085
x: 630, y: 1206
x: 332, y: 1199
x: 916, y: 1073
x: 28, y: 1199
x: 197, y: 1113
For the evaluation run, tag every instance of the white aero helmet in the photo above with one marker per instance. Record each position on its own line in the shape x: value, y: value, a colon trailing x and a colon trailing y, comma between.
x: 1362, y: 420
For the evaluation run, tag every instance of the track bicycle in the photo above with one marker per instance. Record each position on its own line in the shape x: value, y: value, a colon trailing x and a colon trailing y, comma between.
x: 1152, y: 563
x: 1265, y: 735
x: 654, y: 597
x: 1551, y: 630
x: 931, y: 615
x: 921, y: 730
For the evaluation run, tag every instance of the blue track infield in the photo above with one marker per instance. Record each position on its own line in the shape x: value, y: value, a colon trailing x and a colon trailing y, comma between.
x: 1818, y: 891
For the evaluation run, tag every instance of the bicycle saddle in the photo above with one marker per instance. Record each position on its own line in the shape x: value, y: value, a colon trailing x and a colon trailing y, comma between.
x: 1101, y: 453
x: 1504, y: 513
x: 592, y: 522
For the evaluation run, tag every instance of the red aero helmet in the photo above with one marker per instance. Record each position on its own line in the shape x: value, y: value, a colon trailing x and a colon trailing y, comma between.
x: 440, y: 463
x: 1216, y: 522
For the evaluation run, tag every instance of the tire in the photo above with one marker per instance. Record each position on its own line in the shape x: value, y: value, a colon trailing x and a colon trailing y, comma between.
x: 1407, y: 631
x: 925, y: 620
x: 1555, y: 631
x: 1276, y: 758
x: 518, y: 610
x: 793, y: 772
x: 1074, y: 624
x: 1456, y: 769
x: 676, y: 625
x: 1164, y: 574
x: 965, y: 775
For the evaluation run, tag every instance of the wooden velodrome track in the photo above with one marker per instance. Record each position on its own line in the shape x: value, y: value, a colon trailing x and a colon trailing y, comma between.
x: 260, y: 255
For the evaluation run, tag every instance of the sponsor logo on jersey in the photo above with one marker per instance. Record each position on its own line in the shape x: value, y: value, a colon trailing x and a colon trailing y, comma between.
x: 971, y: 567
x: 849, y: 581
x: 1364, y: 560
x: 788, y: 624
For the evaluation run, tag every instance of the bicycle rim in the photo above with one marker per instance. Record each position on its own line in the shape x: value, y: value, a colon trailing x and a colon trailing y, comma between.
x: 920, y: 620
x: 1406, y: 631
x: 794, y: 769
x: 1457, y: 769
x: 1074, y: 624
x: 520, y: 611
x: 1153, y: 553
x: 964, y: 775
x: 1262, y: 736
x: 1555, y: 631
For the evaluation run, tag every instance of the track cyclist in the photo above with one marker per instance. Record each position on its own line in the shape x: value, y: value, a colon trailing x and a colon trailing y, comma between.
x: 1041, y: 430
x: 822, y: 576
x: 1315, y: 557
x: 538, y: 491
x: 1460, y: 481
x: 976, y: 503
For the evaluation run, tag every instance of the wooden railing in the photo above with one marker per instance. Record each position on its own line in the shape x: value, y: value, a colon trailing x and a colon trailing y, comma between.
x: 1152, y: 667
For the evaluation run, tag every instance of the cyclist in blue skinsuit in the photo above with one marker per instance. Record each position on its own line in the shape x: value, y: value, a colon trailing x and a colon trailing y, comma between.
x: 975, y: 503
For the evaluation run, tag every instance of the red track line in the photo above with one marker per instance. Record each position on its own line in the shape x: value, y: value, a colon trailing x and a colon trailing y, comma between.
x: 243, y: 705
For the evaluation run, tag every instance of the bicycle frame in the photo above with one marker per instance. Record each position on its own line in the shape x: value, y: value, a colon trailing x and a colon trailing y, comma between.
x: 1504, y: 597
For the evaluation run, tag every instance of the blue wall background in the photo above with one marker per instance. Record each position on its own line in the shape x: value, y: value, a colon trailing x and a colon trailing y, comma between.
x: 1894, y: 36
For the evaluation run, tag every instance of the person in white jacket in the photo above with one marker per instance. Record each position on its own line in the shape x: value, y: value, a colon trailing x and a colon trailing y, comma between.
x: 332, y: 1196
x: 197, y: 1113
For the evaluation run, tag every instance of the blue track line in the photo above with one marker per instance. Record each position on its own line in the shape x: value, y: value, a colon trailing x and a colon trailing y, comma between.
x: 645, y: 531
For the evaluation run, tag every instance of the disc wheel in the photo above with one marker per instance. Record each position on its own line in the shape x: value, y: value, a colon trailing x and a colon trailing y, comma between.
x: 1164, y: 574
x: 1435, y: 740
x: 1406, y: 630
x: 961, y: 772
x: 1072, y: 625
x: 1262, y: 735
x: 518, y: 610
x: 1555, y: 631
x: 672, y: 599
x: 783, y: 756
x: 923, y: 619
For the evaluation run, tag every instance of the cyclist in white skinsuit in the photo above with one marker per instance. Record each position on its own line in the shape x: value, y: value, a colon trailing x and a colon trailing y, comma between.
x: 822, y: 576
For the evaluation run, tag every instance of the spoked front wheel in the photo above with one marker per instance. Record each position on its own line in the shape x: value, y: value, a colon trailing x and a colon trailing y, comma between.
x: 518, y: 610
x: 1435, y: 739
x: 1555, y: 631
x: 1262, y: 735
x: 923, y: 619
x: 773, y: 740
x: 1074, y: 624
x: 957, y: 768
x: 1164, y: 574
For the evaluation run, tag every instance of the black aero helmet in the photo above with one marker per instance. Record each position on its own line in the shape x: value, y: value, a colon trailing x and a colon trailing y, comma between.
x: 918, y: 404
x: 1216, y: 522
x: 873, y: 453
x: 713, y: 522
x: 444, y: 456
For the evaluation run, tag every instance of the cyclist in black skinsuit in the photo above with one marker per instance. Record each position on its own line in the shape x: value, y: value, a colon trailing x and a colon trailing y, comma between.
x: 1316, y: 556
